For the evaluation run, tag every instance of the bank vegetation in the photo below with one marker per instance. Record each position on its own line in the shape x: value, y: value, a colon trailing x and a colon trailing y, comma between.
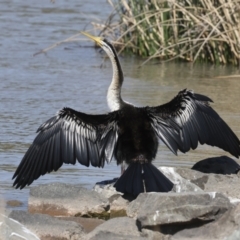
x: 190, y: 30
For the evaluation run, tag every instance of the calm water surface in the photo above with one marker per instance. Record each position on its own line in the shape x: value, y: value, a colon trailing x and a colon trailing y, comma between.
x: 34, y: 88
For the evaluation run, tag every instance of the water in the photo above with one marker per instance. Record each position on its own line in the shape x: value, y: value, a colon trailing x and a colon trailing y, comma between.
x: 73, y: 74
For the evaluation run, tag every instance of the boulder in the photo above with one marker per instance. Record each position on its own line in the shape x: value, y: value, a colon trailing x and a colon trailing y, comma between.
x: 87, y: 223
x: 118, y: 207
x: 157, y: 209
x: 154, y: 235
x: 11, y: 229
x: 118, y: 201
x: 47, y: 227
x: 227, y: 227
x: 59, y: 199
x: 14, y: 203
x: 235, y: 235
x: 106, y: 188
x: 200, y: 206
x: 226, y: 184
x: 116, y: 228
x: 180, y: 184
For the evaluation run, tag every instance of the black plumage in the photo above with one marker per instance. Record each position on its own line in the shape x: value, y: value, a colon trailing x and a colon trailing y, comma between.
x: 130, y: 134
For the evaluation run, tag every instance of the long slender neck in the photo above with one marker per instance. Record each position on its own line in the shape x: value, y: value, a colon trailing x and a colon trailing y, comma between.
x: 114, y: 98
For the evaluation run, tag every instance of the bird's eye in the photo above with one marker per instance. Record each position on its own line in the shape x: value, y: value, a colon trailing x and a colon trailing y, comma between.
x: 105, y: 40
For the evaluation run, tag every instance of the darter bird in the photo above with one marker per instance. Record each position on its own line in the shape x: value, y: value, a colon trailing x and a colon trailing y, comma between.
x: 128, y: 133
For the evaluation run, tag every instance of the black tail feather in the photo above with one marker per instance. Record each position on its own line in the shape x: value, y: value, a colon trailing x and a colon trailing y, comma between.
x: 155, y: 181
x: 131, y: 181
x: 129, y: 186
x: 151, y: 184
x: 138, y: 181
x: 122, y: 182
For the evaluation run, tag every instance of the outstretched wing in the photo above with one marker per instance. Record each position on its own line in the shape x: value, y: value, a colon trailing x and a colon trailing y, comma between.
x: 70, y: 135
x: 187, y: 120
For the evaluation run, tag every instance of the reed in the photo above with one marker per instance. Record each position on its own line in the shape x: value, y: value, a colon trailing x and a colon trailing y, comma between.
x: 191, y: 30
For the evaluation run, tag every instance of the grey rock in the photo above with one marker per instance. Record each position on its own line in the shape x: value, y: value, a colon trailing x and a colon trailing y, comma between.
x: 189, y: 174
x: 181, y: 184
x: 227, y: 184
x: 193, y: 210
x: 106, y: 188
x: 116, y: 228
x: 118, y: 207
x: 11, y: 229
x: 235, y: 235
x: 59, y: 199
x: 118, y: 203
x: 87, y: 223
x: 226, y: 227
x: 154, y: 235
x: 155, y: 209
x: 218, y: 165
x: 213, y: 182
x: 45, y: 226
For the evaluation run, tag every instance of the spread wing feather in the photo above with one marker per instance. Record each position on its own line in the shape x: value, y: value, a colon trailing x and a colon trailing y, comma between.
x: 189, y: 119
x: 65, y: 138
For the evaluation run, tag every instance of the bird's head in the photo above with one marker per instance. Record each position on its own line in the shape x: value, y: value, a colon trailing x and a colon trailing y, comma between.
x: 103, y: 43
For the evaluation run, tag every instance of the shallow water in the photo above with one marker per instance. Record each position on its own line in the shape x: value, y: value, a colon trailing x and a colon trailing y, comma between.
x: 73, y: 74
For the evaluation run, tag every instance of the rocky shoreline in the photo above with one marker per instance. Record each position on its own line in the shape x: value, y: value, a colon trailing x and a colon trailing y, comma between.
x: 202, y: 205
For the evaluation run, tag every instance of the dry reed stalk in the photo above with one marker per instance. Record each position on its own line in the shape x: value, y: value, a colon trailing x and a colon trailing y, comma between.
x: 193, y: 30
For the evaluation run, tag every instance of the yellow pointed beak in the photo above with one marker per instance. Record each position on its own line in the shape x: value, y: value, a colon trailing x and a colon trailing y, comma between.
x: 97, y: 40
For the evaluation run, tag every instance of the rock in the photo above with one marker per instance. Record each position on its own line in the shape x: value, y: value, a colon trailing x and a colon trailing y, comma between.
x: 59, y: 199
x: 118, y: 207
x: 155, y: 209
x: 14, y: 203
x: 193, y: 176
x: 227, y: 227
x: 116, y: 228
x: 118, y: 201
x: 154, y: 235
x: 11, y: 229
x: 234, y: 235
x: 195, y: 209
x: 87, y: 223
x: 227, y: 184
x: 189, y: 174
x: 180, y: 184
x: 218, y: 165
x: 106, y: 188
x: 47, y: 227
x: 213, y: 182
